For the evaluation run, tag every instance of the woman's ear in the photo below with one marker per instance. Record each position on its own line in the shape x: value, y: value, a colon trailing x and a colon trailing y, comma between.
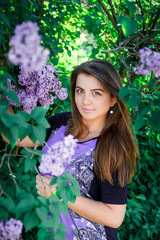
x: 113, y: 101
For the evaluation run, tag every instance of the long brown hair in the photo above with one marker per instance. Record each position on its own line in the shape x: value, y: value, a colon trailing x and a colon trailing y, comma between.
x: 116, y: 149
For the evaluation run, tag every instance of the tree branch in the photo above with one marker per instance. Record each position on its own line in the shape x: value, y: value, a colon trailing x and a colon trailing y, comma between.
x: 141, y: 9
x: 113, y: 12
x: 148, y: 93
x: 105, y: 10
x: 111, y: 42
x: 156, y: 18
x: 10, y: 170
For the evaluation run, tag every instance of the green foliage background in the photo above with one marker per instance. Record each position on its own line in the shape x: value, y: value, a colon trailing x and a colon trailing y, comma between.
x: 75, y: 31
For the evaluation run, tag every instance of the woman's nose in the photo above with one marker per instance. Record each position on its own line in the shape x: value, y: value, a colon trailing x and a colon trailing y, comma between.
x: 86, y: 99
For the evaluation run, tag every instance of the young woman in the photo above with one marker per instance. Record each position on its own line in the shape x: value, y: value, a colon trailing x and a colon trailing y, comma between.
x: 105, y: 156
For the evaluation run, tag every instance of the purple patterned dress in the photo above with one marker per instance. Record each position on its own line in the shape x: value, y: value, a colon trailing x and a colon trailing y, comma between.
x: 81, y: 167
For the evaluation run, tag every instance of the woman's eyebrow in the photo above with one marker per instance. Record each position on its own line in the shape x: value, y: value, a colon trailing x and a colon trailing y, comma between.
x: 95, y: 89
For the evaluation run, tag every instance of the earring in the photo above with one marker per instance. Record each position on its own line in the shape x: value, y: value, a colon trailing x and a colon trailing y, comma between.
x: 111, y: 111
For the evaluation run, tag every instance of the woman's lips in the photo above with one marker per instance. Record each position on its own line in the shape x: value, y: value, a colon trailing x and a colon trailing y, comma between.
x: 87, y: 110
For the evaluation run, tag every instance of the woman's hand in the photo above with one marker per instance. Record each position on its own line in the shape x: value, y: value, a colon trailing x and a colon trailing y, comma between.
x: 42, y: 185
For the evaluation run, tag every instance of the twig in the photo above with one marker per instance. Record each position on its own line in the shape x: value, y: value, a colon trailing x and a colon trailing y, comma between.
x: 43, y: 182
x: 13, y: 177
x: 109, y: 40
x: 56, y: 107
x: 11, y: 155
x: 46, y: 144
x: 29, y: 150
x: 141, y: 9
x: 113, y: 12
x: 105, y: 10
x: 2, y: 192
x: 148, y: 93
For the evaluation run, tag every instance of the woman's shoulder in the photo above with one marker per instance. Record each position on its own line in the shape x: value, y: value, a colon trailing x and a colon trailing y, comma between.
x: 57, y: 120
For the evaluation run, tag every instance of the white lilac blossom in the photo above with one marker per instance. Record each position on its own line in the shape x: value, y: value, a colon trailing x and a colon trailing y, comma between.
x: 150, y: 61
x: 11, y: 229
x: 39, y: 86
x: 57, y: 156
x: 26, y: 49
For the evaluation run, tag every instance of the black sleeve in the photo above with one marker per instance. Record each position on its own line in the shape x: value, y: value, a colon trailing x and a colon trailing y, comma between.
x: 56, y: 121
x: 108, y: 193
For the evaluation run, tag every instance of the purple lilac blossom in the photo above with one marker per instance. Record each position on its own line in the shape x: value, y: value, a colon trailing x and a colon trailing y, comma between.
x: 58, y: 154
x: 11, y: 229
x: 39, y: 86
x: 26, y: 49
x: 62, y: 93
x: 150, y: 61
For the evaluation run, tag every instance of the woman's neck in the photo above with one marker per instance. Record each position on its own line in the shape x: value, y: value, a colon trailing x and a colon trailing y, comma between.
x: 91, y: 130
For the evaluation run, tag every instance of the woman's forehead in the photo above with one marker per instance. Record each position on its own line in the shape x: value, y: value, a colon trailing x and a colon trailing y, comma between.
x: 88, y: 81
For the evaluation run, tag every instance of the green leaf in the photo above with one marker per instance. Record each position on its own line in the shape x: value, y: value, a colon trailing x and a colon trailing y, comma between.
x: 5, y: 19
x: 7, y: 75
x: 27, y: 152
x: 7, y: 120
x: 24, y: 205
x: 153, y: 120
x: 43, y: 234
x: 95, y: 51
x: 4, y: 105
x: 9, y: 204
x: 12, y: 95
x: 15, y: 132
x: 60, y: 234
x: 29, y: 164
x: 43, y: 200
x: 135, y: 98
x: 25, y: 115
x: 39, y: 133
x: 53, y: 181
x: 32, y: 135
x: 4, y: 213
x: 129, y: 26
x: 124, y: 91
x: 64, y: 207
x: 139, y: 123
x: 42, y: 213
x: 73, y: 181
x: 19, y: 120
x: 24, y: 3
x: 131, y: 6
x: 44, y: 122
x: 30, y: 220
x: 39, y: 113
x: 141, y: 196
x: 140, y: 18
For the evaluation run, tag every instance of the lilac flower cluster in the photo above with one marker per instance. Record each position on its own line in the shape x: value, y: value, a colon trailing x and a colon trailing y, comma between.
x: 26, y: 49
x: 53, y: 161
x: 150, y: 61
x: 11, y: 229
x: 39, y: 87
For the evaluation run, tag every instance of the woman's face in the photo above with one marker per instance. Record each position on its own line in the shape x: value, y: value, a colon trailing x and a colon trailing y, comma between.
x: 92, y: 99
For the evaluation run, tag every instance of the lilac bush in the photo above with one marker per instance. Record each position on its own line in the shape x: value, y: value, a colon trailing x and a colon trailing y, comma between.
x: 40, y: 82
x: 26, y: 49
x: 150, y: 61
x: 52, y: 162
x: 39, y: 86
x: 11, y: 229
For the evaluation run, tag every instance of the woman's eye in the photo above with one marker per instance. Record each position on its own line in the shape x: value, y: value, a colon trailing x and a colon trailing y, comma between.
x: 79, y: 91
x: 96, y: 93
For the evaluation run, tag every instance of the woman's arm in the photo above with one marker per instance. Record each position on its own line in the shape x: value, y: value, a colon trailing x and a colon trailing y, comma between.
x: 26, y: 142
x: 110, y: 215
